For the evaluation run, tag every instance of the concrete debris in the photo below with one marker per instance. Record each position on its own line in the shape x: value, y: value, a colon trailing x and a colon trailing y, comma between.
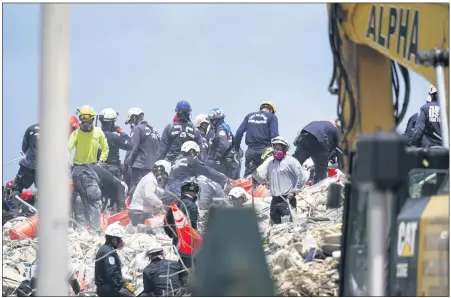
x: 302, y: 255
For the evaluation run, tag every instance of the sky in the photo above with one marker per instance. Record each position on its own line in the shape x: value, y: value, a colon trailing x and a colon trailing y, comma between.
x: 228, y: 56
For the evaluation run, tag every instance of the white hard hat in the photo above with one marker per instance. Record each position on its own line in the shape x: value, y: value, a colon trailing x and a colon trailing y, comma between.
x: 155, y: 248
x: 115, y: 230
x: 280, y: 140
x: 166, y: 164
x: 190, y: 145
x: 432, y: 89
x: 201, y: 118
x: 237, y: 192
x: 108, y: 114
x: 134, y: 111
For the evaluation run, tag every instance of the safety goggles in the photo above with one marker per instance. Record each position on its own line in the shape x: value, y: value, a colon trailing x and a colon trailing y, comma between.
x: 85, y: 117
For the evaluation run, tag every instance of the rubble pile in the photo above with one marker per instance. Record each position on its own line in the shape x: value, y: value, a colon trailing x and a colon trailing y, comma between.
x: 83, y: 247
x: 302, y: 255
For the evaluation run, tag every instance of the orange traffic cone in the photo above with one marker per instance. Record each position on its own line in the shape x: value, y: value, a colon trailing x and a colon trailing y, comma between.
x: 25, y: 228
x: 189, y: 239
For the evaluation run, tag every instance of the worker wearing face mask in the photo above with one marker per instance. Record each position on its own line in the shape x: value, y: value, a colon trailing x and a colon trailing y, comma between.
x: 108, y: 274
x: 285, y: 177
x: 145, y: 140
x: 177, y: 133
x: 86, y: 140
x: 162, y: 278
x: 146, y: 201
x: 117, y: 139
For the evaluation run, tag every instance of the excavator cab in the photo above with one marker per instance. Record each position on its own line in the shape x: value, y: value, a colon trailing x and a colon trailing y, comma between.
x: 416, y: 207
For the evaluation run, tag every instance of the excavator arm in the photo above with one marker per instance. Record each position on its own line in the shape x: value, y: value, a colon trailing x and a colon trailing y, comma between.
x: 367, y: 40
x: 371, y: 44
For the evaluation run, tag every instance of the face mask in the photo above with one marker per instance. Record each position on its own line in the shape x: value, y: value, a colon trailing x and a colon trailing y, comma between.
x: 87, y: 125
x: 120, y: 245
x: 278, y: 154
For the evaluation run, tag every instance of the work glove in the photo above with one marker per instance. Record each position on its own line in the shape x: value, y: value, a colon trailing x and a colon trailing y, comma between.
x: 291, y: 198
x: 130, y: 288
x: 118, y: 129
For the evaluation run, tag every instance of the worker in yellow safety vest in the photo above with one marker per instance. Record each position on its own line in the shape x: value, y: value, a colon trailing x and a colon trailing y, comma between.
x: 86, y: 140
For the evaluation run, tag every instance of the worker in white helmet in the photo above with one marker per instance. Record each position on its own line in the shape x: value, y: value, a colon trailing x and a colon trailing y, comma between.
x: 108, y: 271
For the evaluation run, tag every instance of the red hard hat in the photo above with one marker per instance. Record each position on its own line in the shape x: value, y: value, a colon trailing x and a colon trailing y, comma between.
x: 74, y: 123
x: 9, y: 184
x: 27, y: 194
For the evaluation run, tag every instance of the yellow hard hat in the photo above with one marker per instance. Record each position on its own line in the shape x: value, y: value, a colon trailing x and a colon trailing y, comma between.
x: 86, y: 110
x: 270, y: 104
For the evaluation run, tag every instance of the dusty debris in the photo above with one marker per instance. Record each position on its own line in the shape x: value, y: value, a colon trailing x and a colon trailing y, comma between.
x: 302, y: 255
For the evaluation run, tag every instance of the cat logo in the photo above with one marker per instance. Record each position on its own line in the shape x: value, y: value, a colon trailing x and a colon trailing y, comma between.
x: 406, y: 239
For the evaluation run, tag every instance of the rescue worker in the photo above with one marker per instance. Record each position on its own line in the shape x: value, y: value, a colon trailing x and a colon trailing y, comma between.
x: 208, y: 190
x: 187, y: 204
x: 260, y: 128
x: 111, y: 187
x: 162, y: 275
x: 86, y: 140
x: 146, y: 201
x: 145, y: 140
x: 26, y: 176
x: 117, y: 139
x: 238, y: 196
x: 203, y: 125
x: 317, y: 140
x: 178, y: 132
x: 107, y: 270
x: 221, y: 154
x: 27, y: 288
x: 427, y: 131
x: 285, y: 177
x: 187, y: 166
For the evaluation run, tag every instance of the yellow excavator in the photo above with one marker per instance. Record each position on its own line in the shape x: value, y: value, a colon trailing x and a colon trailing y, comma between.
x: 396, y: 213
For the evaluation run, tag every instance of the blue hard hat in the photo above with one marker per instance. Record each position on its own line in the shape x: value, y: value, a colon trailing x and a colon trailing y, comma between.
x: 182, y: 106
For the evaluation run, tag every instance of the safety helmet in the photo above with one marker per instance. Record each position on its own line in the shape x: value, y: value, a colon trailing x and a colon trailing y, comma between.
x: 156, y: 248
x: 236, y: 194
x: 115, y: 230
x: 27, y: 194
x: 133, y: 111
x: 268, y: 104
x: 190, y: 185
x: 190, y: 145
x: 108, y: 114
x: 201, y: 118
x: 73, y: 123
x: 432, y: 93
x: 183, y: 106
x: 280, y: 140
x: 432, y: 90
x: 86, y: 113
x: 9, y: 184
x: 165, y: 164
x: 216, y: 114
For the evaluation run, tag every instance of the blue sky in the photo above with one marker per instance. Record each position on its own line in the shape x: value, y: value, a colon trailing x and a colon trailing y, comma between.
x: 230, y: 56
